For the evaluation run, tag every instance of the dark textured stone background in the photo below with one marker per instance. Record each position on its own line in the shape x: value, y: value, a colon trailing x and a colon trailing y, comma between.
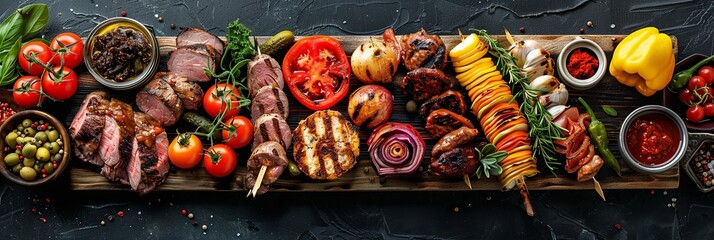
x: 640, y: 214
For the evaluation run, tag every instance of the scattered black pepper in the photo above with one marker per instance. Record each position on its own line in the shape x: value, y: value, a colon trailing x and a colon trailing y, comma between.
x: 161, y: 19
x: 194, y: 223
x: 173, y: 26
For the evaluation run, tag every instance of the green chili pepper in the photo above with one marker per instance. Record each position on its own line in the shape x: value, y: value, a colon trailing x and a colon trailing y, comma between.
x: 681, y: 79
x: 599, y: 136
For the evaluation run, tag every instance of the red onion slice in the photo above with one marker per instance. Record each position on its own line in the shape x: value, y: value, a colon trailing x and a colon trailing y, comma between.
x: 396, y: 148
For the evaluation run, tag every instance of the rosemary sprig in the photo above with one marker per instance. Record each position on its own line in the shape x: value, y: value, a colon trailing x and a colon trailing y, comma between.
x: 542, y: 129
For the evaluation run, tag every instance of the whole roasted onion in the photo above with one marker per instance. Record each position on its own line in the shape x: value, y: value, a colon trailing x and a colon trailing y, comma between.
x: 370, y: 105
x: 396, y: 148
x: 374, y: 62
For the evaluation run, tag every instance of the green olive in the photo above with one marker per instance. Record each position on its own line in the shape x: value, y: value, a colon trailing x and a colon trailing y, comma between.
x: 16, y: 168
x: 38, y: 168
x: 11, y: 139
x: 54, y: 147
x: 30, y: 132
x: 20, y: 128
x: 12, y: 159
x: 27, y: 122
x: 28, y: 162
x: 43, y: 154
x: 293, y: 168
x: 52, y: 135
x: 411, y: 106
x: 42, y: 136
x: 28, y: 173
x: 49, y: 168
x: 29, y: 150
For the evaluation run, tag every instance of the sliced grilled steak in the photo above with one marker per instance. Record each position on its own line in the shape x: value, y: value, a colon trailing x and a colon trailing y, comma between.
x: 268, y: 100
x: 424, y: 83
x: 191, y: 36
x: 263, y: 71
x: 189, y: 92
x: 160, y: 101
x: 116, y: 144
x: 326, y: 145
x: 189, y: 62
x: 449, y: 100
x: 441, y: 122
x: 270, y: 154
x: 86, y: 128
x: 272, y: 127
x: 148, y: 166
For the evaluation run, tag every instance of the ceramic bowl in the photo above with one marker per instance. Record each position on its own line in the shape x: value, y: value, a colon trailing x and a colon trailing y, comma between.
x: 671, y: 98
x: 570, y: 80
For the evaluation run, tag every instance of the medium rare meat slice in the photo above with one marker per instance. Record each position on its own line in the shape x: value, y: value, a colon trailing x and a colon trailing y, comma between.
x: 189, y: 61
x: 268, y: 100
x: 148, y: 166
x: 263, y: 71
x: 116, y: 144
x: 270, y: 154
x: 86, y: 128
x: 160, y: 101
x: 272, y: 127
x: 192, y: 36
x: 189, y: 92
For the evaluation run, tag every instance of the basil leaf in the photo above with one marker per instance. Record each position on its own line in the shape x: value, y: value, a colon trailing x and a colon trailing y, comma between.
x: 9, y: 72
x: 609, y: 110
x: 35, y: 18
x: 9, y: 32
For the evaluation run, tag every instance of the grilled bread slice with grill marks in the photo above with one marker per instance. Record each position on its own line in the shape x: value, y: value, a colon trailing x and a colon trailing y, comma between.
x: 325, y: 145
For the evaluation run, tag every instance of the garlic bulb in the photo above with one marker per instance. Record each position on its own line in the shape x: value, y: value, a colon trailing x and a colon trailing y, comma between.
x: 538, y: 63
x: 547, y: 83
x: 519, y: 50
x: 558, y: 97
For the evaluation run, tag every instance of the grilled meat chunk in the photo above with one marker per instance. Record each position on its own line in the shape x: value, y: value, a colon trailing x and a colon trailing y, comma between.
x: 116, y: 145
x: 87, y: 125
x: 455, y: 163
x: 449, y: 100
x: 270, y: 154
x: 263, y: 71
x: 149, y: 165
x: 272, y: 127
x: 269, y: 100
x: 424, y: 83
x: 442, y: 121
x: 193, y: 36
x: 189, y: 61
x: 451, y: 140
x: 422, y: 50
x: 160, y: 101
x: 189, y: 92
x: 326, y: 145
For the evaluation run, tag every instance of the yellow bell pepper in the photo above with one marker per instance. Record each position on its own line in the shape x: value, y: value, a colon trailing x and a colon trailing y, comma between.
x: 644, y: 60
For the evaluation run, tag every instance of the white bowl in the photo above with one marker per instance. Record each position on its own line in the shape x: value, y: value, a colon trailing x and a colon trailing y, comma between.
x: 576, y: 83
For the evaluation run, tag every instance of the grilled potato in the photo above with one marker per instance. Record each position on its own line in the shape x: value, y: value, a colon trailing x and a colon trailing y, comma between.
x: 325, y: 145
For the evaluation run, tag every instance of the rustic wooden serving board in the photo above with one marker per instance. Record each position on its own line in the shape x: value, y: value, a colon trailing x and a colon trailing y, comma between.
x: 363, y: 177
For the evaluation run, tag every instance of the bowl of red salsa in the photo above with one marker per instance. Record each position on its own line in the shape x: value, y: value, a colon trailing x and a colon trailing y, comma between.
x: 653, y: 139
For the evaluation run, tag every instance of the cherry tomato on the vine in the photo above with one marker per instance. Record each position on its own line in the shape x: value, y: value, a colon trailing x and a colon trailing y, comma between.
x: 37, y: 50
x: 695, y: 113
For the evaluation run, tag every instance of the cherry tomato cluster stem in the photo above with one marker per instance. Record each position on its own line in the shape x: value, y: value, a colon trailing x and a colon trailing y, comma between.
x: 699, y: 95
x: 51, y: 67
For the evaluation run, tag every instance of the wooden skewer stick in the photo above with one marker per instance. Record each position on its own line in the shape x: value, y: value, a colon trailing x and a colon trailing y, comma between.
x: 461, y: 36
x: 467, y: 180
x: 598, y: 189
x: 509, y: 37
x: 257, y: 47
x: 258, y: 181
x: 524, y: 194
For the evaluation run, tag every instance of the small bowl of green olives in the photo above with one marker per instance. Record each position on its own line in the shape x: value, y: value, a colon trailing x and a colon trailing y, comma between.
x: 34, y: 148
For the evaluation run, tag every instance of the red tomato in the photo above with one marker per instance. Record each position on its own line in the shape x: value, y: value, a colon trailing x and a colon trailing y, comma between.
x: 696, y: 82
x: 217, y: 98
x: 220, y: 160
x: 26, y: 91
x: 37, y: 50
x: 707, y: 72
x: 317, y: 72
x: 695, y: 113
x: 238, y: 132
x: 69, y: 46
x: 709, y: 109
x: 61, y: 86
x: 686, y: 96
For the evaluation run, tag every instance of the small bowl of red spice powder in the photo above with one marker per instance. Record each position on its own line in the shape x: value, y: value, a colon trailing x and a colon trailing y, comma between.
x: 582, y: 64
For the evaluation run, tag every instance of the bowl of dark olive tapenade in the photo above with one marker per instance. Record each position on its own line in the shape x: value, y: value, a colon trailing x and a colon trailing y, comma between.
x: 121, y: 53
